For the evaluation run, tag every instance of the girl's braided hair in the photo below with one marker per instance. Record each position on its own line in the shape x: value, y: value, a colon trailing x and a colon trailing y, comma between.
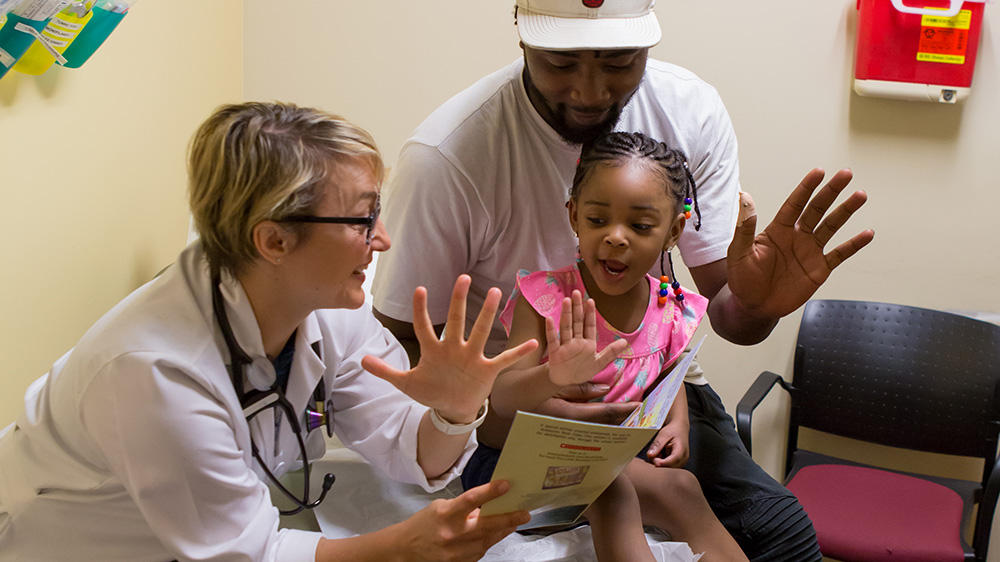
x: 617, y: 149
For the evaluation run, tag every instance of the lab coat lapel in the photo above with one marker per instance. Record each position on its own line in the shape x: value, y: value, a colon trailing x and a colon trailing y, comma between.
x: 260, y: 373
x: 307, y: 367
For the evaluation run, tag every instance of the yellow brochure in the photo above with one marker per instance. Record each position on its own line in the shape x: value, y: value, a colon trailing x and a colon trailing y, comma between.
x: 558, y: 467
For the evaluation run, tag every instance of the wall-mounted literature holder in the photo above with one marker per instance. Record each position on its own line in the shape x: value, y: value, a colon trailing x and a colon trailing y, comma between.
x: 36, y: 34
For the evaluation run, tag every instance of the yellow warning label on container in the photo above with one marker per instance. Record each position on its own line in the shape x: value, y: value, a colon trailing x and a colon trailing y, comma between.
x: 949, y: 59
x: 962, y: 20
x: 944, y: 40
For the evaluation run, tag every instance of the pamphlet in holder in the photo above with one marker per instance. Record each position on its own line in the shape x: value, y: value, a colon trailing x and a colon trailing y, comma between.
x: 6, y: 6
x: 107, y: 14
x: 24, y: 23
x: 59, y: 34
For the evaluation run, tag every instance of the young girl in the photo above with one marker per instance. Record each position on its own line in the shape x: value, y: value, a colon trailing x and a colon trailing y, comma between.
x: 620, y: 328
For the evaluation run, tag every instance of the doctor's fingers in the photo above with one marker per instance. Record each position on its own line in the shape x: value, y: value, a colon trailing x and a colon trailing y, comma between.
x: 385, y: 371
x: 474, y: 498
x: 511, y: 356
x: 490, y: 530
x: 422, y: 326
x: 480, y: 332
x: 455, y: 325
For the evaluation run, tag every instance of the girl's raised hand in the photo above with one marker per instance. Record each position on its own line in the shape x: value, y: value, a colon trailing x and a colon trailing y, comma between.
x: 573, y: 356
x: 453, y: 376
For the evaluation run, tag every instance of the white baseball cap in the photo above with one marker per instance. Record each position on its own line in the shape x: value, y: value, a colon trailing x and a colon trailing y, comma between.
x: 563, y: 25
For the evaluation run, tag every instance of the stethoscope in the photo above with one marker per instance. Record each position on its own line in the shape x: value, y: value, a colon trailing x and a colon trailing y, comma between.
x: 257, y: 401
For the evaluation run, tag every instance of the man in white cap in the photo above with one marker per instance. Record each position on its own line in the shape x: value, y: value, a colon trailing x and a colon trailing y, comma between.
x: 480, y: 188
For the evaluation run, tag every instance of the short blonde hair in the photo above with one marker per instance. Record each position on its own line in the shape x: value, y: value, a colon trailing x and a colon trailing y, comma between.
x: 255, y: 161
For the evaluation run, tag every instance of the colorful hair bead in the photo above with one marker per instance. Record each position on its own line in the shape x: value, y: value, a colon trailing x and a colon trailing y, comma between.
x: 666, y: 285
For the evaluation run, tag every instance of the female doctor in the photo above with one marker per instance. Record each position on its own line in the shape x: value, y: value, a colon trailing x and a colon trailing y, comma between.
x: 155, y: 437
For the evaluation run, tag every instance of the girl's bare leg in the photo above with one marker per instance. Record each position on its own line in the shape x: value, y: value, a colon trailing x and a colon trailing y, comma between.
x: 616, y: 524
x: 671, y: 499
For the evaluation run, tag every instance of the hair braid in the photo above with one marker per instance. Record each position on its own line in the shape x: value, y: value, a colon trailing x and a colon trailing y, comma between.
x: 617, y: 148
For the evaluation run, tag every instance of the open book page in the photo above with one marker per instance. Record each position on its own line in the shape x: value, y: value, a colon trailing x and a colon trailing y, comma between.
x: 653, y: 410
x: 556, y: 467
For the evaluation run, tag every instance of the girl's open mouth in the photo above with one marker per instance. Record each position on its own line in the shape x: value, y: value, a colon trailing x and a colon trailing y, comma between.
x: 614, y: 268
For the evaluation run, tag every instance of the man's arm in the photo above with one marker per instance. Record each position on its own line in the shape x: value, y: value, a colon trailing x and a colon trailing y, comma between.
x: 729, y: 318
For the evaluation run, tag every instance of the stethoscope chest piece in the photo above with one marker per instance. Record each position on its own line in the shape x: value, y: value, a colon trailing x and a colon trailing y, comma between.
x: 260, y: 373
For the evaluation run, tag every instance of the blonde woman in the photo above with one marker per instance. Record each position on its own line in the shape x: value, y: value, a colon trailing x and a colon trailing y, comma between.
x: 156, y: 436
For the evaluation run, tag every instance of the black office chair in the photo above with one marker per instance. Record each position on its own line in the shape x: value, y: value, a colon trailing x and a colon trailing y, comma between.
x: 903, y: 377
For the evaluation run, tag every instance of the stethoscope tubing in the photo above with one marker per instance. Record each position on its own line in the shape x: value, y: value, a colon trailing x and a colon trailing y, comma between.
x: 238, y: 360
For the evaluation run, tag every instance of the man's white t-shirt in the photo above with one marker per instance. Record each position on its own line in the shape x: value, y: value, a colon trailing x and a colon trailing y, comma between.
x: 481, y: 188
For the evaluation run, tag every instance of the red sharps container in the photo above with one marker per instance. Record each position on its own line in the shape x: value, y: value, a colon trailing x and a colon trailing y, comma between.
x: 924, y: 50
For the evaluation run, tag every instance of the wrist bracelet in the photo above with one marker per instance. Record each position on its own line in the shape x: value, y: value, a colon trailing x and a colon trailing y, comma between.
x: 449, y: 428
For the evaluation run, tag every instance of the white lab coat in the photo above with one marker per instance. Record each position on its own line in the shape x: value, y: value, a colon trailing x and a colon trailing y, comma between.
x: 134, y: 446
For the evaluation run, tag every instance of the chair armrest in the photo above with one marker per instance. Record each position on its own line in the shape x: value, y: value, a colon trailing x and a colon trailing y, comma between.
x: 753, y: 397
x: 984, y: 520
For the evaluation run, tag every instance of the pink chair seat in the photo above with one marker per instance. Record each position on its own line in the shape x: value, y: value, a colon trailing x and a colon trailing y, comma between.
x: 869, y: 515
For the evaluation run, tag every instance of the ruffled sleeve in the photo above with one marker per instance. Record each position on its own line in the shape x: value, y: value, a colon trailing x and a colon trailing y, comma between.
x: 544, y: 291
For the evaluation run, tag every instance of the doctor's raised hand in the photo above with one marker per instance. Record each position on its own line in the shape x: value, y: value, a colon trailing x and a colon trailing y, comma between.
x: 773, y: 273
x: 454, y: 379
x: 453, y: 376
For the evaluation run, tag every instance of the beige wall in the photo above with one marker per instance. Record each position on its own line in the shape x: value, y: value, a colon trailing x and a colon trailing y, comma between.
x: 93, y: 174
x: 784, y: 69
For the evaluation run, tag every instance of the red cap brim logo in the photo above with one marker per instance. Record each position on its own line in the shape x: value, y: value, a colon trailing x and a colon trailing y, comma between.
x: 593, y: 3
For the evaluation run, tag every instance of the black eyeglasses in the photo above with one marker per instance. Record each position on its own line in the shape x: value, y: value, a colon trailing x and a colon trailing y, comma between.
x: 368, y: 222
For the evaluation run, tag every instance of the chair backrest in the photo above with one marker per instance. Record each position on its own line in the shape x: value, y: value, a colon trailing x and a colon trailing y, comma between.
x: 899, y: 376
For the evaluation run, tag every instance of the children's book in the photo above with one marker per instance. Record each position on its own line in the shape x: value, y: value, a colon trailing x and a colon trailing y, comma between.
x: 558, y: 467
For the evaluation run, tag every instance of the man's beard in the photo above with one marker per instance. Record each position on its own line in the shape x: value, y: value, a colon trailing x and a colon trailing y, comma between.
x: 570, y: 133
x: 584, y: 135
